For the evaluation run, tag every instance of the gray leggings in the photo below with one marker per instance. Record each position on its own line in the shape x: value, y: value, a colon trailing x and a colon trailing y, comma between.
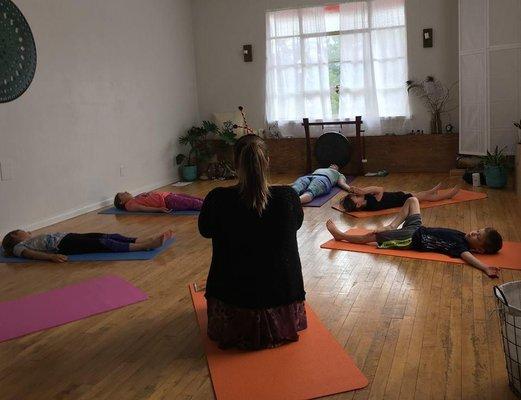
x: 316, y: 185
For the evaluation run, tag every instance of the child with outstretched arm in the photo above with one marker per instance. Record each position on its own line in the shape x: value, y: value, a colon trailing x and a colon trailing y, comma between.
x: 374, y: 198
x: 413, y: 235
x: 164, y: 202
x: 56, y: 246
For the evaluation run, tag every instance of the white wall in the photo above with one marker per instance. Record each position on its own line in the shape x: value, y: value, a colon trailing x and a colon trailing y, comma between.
x: 114, y: 85
x: 225, y: 81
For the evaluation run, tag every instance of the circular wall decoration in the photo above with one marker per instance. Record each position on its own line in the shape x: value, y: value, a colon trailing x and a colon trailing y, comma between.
x: 17, y: 52
x: 333, y: 148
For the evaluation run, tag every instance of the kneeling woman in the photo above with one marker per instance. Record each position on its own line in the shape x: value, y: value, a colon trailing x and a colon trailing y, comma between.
x: 254, y: 291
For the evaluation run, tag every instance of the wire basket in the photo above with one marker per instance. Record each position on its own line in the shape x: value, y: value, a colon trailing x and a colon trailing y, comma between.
x: 508, y: 296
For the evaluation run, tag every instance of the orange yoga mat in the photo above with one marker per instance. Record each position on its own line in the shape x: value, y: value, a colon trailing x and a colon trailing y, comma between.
x: 509, y: 257
x: 315, y: 366
x: 463, y: 195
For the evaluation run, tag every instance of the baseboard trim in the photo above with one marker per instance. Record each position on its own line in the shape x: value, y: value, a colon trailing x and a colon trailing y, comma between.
x: 87, y: 208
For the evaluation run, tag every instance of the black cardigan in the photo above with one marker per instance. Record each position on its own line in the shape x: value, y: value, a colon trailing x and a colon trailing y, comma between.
x: 255, y: 262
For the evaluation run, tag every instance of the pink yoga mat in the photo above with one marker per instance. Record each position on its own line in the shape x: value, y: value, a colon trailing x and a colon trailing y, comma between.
x: 56, y: 307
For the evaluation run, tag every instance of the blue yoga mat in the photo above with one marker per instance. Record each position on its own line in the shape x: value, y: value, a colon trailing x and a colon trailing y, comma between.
x: 116, y: 211
x: 131, y: 255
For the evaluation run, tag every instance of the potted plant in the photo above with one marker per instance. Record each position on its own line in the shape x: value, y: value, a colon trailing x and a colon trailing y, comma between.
x: 195, y: 138
x: 200, y: 151
x: 495, y: 168
x: 436, y: 97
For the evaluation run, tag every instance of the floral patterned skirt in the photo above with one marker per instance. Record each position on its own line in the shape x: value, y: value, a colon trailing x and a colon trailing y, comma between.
x: 254, y: 329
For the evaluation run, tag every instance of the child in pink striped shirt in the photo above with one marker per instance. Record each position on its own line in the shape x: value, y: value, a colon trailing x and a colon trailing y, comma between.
x: 157, y: 202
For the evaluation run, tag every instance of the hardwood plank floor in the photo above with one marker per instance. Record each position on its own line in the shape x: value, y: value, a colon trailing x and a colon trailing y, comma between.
x: 417, y: 329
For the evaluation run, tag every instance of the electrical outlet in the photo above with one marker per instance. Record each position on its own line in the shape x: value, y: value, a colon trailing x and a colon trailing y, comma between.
x: 6, y: 170
x: 122, y: 171
x: 364, y: 160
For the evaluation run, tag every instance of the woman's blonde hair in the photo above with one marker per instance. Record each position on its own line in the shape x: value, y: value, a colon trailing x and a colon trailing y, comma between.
x: 252, y: 165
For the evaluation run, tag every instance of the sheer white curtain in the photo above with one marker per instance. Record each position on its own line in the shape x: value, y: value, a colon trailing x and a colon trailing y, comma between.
x: 373, y: 64
x: 297, y: 71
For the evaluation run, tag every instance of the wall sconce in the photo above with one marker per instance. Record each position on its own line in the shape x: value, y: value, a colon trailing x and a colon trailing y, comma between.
x: 427, y: 37
x: 247, y: 53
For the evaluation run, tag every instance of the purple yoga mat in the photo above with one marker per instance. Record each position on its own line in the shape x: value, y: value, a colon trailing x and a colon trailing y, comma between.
x: 56, y: 307
x: 321, y: 200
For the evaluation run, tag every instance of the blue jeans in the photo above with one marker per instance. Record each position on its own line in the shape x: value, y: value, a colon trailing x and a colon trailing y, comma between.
x: 314, y: 184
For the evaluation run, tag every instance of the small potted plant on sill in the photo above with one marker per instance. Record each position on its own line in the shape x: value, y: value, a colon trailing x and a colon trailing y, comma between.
x: 495, y: 168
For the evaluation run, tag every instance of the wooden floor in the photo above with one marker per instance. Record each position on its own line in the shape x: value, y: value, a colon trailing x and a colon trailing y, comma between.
x: 418, y: 330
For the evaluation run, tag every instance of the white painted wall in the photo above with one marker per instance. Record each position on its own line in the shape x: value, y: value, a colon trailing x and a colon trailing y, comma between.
x: 225, y: 81
x: 115, y: 85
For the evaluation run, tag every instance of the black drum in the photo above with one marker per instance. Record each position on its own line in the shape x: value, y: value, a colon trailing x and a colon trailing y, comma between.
x: 333, y: 148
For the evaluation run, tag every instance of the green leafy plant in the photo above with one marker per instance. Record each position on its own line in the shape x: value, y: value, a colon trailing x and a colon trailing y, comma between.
x: 197, y: 139
x: 497, y: 158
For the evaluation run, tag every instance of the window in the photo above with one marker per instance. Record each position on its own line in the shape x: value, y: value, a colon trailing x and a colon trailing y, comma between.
x: 337, y: 61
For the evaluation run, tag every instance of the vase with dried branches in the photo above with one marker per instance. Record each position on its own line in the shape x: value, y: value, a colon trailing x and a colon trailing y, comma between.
x: 518, y: 126
x: 436, y: 96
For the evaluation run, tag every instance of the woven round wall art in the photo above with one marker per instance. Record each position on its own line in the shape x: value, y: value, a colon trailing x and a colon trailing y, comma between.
x: 17, y: 52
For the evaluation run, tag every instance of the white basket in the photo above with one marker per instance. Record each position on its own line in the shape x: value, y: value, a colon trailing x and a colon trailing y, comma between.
x: 508, y: 296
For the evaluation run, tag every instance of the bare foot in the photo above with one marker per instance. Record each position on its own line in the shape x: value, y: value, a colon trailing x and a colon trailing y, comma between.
x: 384, y: 228
x: 153, y: 239
x: 331, y: 227
x: 435, y: 188
x: 493, y: 272
x: 156, y: 242
x: 306, y: 198
x: 454, y: 191
x: 169, y: 234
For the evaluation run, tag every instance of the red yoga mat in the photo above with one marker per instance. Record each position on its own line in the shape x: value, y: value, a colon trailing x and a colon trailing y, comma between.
x: 56, y: 307
x: 315, y: 366
x: 509, y: 256
x: 463, y: 195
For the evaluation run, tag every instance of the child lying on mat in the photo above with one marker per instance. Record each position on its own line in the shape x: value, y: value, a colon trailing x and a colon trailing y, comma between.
x: 157, y: 202
x: 413, y: 235
x: 55, y: 246
x: 374, y: 198
x: 319, y: 183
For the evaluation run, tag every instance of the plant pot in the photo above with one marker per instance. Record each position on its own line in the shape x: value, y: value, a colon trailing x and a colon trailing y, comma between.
x: 189, y: 173
x: 495, y: 176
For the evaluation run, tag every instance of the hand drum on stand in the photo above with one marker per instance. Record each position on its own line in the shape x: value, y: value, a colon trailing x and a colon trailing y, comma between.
x: 333, y: 148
